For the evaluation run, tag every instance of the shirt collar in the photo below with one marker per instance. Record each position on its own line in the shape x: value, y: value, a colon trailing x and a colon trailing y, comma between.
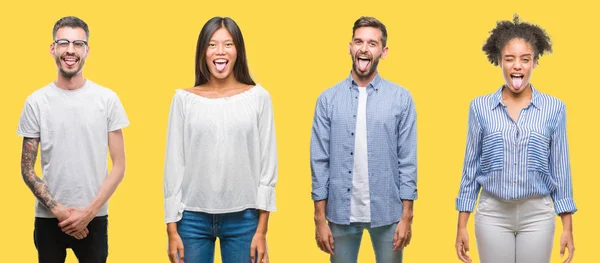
x: 372, y: 85
x: 535, y: 98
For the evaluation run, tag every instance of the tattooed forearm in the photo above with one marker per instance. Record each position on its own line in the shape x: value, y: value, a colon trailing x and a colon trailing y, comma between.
x: 37, y: 186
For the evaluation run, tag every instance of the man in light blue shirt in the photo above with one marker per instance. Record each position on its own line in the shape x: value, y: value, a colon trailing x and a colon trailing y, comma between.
x: 364, y: 156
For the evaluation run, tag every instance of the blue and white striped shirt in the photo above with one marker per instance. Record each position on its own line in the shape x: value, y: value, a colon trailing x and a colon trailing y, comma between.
x: 513, y: 160
x: 392, y: 149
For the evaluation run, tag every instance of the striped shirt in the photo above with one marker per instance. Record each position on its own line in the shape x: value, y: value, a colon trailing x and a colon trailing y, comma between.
x: 513, y: 160
x: 391, y: 152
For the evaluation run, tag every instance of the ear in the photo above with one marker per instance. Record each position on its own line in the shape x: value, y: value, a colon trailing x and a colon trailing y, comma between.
x: 535, y: 63
x: 350, y: 48
x: 52, y: 49
x: 385, y: 52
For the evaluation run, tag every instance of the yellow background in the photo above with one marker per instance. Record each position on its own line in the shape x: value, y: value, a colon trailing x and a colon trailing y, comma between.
x: 145, y: 50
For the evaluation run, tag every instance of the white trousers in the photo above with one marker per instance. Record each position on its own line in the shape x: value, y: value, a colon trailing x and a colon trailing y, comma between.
x: 514, y: 231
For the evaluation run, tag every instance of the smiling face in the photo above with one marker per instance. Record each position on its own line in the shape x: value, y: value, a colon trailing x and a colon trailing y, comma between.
x: 365, y: 50
x: 517, y: 63
x: 70, y: 55
x: 221, y: 54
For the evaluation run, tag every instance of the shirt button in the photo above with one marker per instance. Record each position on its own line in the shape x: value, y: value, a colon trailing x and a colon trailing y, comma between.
x: 515, y: 145
x: 348, y: 189
x: 351, y: 153
x: 356, y: 97
x: 515, y: 181
x: 352, y: 134
x: 354, y: 116
x: 515, y: 164
x: 349, y: 172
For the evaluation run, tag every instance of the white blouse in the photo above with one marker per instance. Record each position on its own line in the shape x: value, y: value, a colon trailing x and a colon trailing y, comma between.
x: 221, y: 154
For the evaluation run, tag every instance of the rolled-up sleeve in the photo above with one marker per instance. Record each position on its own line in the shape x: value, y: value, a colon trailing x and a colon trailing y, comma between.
x: 268, y: 157
x: 560, y: 167
x: 469, y: 188
x: 319, y: 151
x: 174, y: 161
x: 407, y: 151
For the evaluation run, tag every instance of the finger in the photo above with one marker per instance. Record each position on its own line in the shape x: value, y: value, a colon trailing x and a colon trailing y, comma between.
x: 327, y: 247
x: 266, y: 258
x: 330, y: 243
x: 181, y: 254
x: 65, y: 222
x: 408, y: 240
x: 261, y: 256
x: 173, y: 256
x: 571, y: 253
x: 562, y: 250
x: 253, y: 253
x: 396, y: 234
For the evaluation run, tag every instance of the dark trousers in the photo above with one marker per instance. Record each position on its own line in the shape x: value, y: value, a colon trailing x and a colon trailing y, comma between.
x: 52, y: 243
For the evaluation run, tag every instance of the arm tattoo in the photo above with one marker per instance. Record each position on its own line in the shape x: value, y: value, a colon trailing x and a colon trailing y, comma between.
x: 37, y: 186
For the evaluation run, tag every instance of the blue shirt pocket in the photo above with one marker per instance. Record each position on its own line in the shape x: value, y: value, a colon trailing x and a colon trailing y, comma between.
x: 492, y: 152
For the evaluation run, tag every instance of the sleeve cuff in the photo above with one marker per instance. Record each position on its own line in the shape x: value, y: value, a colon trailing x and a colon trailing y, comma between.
x: 566, y: 205
x: 118, y: 126
x: 265, y: 199
x: 407, y: 193
x: 320, y: 193
x: 173, y: 209
x: 465, y: 205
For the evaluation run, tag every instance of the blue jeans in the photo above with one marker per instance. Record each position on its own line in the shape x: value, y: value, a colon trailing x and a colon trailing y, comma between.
x: 347, y: 239
x: 235, y: 231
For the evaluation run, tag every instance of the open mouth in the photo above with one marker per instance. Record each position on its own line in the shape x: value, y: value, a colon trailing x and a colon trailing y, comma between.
x: 363, y: 63
x: 220, y: 64
x: 517, y: 80
x: 70, y: 61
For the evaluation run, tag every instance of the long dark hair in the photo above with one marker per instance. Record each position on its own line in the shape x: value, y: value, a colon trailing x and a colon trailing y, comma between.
x: 240, y: 69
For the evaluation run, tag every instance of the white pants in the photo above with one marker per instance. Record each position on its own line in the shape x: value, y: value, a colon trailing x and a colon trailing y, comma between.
x: 514, y: 231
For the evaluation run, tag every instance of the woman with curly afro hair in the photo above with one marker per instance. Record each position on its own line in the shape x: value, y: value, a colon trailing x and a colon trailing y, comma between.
x: 517, y: 155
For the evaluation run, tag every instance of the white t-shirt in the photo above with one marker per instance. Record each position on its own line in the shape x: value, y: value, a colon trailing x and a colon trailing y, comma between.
x: 221, y: 154
x: 360, y: 204
x: 73, y: 128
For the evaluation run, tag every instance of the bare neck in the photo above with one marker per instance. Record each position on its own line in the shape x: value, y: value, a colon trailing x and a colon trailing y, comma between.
x: 73, y: 83
x: 363, y: 81
x: 522, y: 97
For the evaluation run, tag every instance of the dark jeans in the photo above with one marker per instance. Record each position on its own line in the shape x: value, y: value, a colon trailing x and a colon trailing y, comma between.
x: 52, y: 243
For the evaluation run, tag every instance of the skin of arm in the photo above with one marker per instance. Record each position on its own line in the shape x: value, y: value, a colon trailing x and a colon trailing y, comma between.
x: 258, y: 247
x: 79, y: 219
x: 37, y: 185
x: 323, y: 231
x: 462, y: 237
x: 403, y: 232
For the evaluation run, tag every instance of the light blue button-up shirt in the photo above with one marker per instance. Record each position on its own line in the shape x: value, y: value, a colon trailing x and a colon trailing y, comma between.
x: 392, y: 149
x: 513, y: 160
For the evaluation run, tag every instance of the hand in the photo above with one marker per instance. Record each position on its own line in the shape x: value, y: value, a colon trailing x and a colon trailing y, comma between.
x: 81, y: 235
x: 175, y: 248
x: 462, y: 245
x: 77, y: 221
x: 259, y: 245
x: 403, y: 234
x: 566, y: 240
x: 61, y: 213
x: 324, y: 237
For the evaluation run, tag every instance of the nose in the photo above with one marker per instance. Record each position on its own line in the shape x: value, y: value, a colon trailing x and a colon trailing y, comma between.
x: 517, y: 65
x: 71, y: 48
x: 363, y: 47
x: 220, y: 49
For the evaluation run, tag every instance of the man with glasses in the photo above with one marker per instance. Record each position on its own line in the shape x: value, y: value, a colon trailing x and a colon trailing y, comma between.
x: 73, y: 120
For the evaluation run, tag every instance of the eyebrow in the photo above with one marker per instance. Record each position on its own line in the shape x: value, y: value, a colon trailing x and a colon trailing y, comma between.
x: 524, y: 55
x: 370, y: 40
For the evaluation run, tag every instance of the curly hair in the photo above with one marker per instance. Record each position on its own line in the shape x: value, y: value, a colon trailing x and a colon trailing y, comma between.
x: 507, y: 30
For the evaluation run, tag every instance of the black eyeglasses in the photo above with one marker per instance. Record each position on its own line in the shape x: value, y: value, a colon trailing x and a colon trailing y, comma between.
x: 64, y: 43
